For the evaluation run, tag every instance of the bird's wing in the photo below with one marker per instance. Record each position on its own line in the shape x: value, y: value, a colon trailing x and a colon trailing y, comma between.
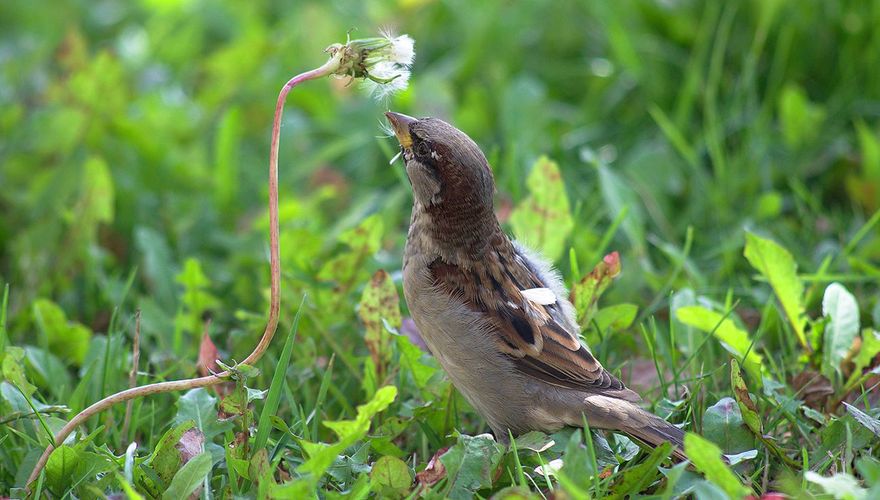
x: 532, y: 330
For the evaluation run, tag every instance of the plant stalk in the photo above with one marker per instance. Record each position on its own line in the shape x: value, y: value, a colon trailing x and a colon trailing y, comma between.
x: 328, y: 68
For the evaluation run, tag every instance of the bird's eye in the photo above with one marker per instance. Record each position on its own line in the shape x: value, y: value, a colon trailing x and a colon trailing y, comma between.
x: 422, y: 149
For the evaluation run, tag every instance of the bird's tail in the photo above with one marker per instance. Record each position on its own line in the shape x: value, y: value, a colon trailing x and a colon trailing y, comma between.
x: 629, y: 417
x: 655, y: 431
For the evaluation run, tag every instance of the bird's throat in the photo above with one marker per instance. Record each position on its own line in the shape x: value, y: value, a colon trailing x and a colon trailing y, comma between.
x: 458, y: 236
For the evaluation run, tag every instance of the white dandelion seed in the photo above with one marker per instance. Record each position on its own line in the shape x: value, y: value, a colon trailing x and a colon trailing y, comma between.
x: 403, y: 50
x: 382, y: 63
x: 386, y: 78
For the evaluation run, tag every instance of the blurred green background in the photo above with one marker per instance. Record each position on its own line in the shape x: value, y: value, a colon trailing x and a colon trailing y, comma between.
x: 134, y: 147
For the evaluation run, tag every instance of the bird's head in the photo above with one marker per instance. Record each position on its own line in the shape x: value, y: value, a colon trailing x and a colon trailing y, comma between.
x: 451, y: 179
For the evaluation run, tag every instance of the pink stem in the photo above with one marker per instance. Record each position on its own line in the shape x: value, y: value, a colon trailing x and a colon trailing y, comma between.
x: 274, y: 300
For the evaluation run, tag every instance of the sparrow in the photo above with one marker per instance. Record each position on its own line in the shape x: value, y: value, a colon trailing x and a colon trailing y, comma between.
x: 492, y: 312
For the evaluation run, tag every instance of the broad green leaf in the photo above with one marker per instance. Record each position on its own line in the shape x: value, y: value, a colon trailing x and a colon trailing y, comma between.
x: 516, y: 493
x: 577, y: 463
x: 322, y: 456
x: 864, y: 186
x: 723, y: 425
x: 801, y: 119
x: 127, y: 488
x: 869, y: 468
x: 226, y: 160
x: 362, y: 241
x: 380, y: 306
x: 736, y: 458
x: 296, y: 488
x: 411, y: 360
x: 189, y: 477
x: 260, y: 472
x: 869, y: 146
x: 470, y: 464
x: 706, y: 457
x: 869, y: 350
x: 841, y: 486
x: 71, y: 466
x: 777, y: 265
x: 616, y: 317
x: 4, y: 304
x: 543, y: 220
x: 12, y: 369
x: 619, y: 196
x: 586, y: 292
x: 840, y: 432
x: 199, y: 406
x: 97, y: 197
x: 48, y: 371
x: 870, y: 423
x: 635, y: 478
x: 748, y: 410
x: 158, y: 268
x: 535, y: 440
x: 95, y: 203
x: 382, y: 439
x: 769, y: 205
x: 390, y: 477
x: 11, y: 399
x: 67, y: 339
x: 196, y: 298
x: 842, y: 311
x: 61, y: 469
x: 732, y: 338
x: 688, y: 338
x: 165, y: 460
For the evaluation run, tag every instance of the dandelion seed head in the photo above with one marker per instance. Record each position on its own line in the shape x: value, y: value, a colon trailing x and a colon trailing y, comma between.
x: 399, y: 81
x: 382, y: 63
x: 387, y: 130
x: 403, y: 50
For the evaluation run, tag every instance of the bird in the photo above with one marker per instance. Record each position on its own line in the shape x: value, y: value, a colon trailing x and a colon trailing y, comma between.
x: 492, y: 312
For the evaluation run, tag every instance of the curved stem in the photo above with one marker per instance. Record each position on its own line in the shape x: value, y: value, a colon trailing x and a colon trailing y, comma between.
x: 331, y: 66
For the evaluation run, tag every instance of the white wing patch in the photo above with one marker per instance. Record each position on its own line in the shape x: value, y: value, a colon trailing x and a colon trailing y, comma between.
x: 540, y: 296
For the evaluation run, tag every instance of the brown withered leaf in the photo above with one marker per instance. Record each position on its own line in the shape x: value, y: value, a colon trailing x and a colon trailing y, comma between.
x: 586, y: 292
x: 191, y: 443
x: 640, y: 375
x: 208, y: 355
x: 813, y: 388
x: 206, y: 363
x: 434, y: 472
x: 379, y: 305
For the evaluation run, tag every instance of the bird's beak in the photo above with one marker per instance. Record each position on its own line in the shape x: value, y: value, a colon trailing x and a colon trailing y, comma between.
x: 400, y: 123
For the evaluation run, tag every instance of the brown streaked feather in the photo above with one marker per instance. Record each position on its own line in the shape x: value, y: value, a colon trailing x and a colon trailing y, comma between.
x: 536, y: 337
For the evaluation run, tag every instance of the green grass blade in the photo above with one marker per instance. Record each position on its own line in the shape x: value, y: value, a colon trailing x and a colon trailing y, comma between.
x: 274, y: 396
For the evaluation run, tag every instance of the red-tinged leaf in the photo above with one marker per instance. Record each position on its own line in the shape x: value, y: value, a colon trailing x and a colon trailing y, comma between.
x: 434, y: 472
x: 191, y: 443
x: 543, y: 219
x: 749, y: 410
x: 586, y: 292
x: 380, y: 309
x: 208, y: 355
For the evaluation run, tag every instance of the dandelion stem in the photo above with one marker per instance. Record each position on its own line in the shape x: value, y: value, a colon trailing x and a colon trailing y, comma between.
x: 328, y: 68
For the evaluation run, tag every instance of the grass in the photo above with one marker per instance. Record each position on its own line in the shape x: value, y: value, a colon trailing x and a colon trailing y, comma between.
x: 730, y: 152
